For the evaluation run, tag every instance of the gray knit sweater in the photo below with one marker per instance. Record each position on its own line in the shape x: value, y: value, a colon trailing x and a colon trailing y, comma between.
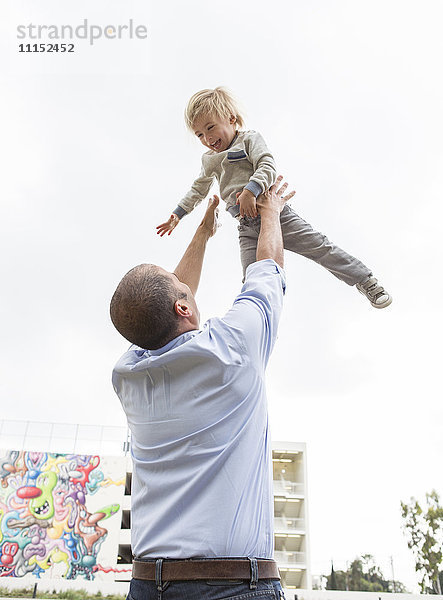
x: 247, y: 163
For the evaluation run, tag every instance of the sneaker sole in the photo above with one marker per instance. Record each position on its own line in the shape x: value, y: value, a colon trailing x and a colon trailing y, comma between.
x: 384, y: 305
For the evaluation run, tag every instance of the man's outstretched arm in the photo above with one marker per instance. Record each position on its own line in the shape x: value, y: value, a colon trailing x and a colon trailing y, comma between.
x: 270, y: 204
x: 255, y: 314
x: 189, y: 268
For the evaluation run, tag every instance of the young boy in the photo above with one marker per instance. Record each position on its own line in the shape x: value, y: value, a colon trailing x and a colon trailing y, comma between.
x: 244, y: 168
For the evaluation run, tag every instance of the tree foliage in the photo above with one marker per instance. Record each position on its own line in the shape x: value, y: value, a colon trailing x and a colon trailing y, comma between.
x: 424, y: 530
x: 363, y: 575
x: 332, y: 580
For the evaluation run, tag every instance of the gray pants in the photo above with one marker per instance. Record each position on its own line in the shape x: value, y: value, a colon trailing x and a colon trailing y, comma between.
x: 299, y: 237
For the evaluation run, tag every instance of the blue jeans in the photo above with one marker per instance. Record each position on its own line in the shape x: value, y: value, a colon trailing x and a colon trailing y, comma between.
x: 267, y: 589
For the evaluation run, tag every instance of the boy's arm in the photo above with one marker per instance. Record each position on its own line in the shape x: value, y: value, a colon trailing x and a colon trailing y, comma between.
x: 199, y: 190
x: 265, y: 173
x: 263, y: 177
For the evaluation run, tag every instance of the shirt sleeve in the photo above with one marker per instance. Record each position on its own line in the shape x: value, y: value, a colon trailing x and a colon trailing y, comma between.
x: 198, y: 192
x: 256, y: 311
x: 265, y: 172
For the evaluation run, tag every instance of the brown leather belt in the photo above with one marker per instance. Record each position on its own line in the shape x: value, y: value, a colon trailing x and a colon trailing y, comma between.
x: 212, y: 568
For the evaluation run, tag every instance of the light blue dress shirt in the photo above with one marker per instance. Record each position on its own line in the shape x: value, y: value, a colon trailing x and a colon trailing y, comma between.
x: 201, y: 451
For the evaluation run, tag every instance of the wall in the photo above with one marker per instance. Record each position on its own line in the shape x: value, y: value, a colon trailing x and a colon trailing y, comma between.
x: 59, y: 515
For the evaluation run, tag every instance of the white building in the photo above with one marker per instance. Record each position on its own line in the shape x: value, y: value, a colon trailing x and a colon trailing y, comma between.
x: 291, y: 514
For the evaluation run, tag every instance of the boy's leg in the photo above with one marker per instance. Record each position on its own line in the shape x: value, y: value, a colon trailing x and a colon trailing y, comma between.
x: 248, y: 231
x: 301, y: 238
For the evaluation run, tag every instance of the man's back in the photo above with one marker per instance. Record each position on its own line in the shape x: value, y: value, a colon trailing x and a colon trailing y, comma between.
x: 197, y: 411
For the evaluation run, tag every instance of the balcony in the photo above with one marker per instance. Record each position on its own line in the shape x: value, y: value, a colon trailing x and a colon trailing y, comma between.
x: 290, y: 559
x: 125, y: 536
x: 123, y: 572
x: 289, y: 525
x: 288, y: 488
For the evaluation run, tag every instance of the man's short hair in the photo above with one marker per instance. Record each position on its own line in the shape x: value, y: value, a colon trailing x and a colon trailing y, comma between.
x: 142, y: 307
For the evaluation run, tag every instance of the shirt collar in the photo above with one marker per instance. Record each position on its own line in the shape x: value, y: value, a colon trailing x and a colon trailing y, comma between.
x: 178, y: 341
x: 234, y: 139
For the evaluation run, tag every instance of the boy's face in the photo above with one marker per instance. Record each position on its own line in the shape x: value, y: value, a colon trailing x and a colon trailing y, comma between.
x: 214, y: 132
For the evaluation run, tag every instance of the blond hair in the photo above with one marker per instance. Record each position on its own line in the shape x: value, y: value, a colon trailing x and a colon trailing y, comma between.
x: 218, y: 102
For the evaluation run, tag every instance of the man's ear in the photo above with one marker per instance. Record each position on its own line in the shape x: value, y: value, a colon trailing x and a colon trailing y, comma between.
x: 232, y: 119
x: 182, y: 309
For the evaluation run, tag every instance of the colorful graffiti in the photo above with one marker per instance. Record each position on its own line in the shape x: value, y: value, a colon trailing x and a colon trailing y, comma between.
x: 45, y: 524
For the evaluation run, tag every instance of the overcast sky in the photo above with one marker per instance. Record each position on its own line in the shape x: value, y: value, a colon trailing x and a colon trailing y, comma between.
x: 348, y: 95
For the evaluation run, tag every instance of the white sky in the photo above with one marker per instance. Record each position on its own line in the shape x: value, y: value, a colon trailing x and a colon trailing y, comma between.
x: 348, y: 95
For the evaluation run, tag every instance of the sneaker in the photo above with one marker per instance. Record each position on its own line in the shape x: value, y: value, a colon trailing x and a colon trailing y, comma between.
x: 375, y: 293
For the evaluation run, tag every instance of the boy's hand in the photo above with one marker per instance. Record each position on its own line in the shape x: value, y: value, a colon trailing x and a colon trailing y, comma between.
x: 168, y: 226
x: 248, y: 205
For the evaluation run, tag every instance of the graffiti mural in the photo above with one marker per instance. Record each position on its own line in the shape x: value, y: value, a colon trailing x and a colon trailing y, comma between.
x: 49, y: 521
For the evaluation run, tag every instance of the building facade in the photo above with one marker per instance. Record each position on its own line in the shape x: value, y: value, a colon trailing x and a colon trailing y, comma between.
x: 291, y: 526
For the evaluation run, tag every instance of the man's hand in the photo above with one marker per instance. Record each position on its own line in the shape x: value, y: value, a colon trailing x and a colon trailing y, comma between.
x: 274, y: 199
x: 247, y: 202
x: 168, y: 226
x: 209, y: 223
x: 189, y: 268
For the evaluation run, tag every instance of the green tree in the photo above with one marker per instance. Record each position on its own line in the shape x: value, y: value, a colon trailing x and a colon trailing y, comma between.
x: 332, y: 581
x: 364, y: 575
x: 424, y: 530
x: 336, y: 580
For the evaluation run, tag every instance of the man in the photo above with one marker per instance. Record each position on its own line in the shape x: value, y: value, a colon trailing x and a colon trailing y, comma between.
x: 195, y: 400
